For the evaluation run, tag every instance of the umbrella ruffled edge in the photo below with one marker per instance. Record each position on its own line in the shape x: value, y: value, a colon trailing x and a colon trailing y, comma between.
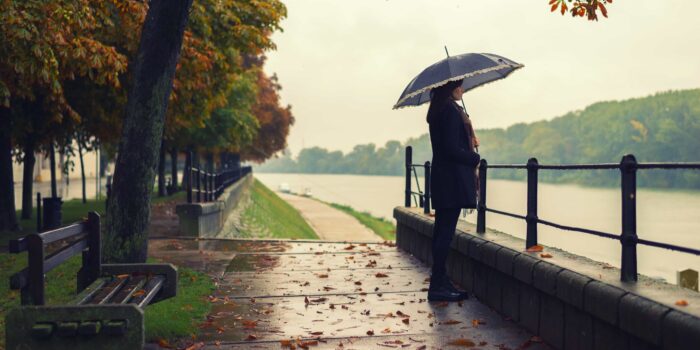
x: 460, y: 77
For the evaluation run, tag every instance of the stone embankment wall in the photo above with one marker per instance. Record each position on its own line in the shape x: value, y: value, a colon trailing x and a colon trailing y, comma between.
x: 207, y: 219
x: 571, y: 302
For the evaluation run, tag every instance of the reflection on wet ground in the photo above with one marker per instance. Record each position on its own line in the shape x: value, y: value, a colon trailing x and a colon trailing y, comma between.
x: 296, y: 294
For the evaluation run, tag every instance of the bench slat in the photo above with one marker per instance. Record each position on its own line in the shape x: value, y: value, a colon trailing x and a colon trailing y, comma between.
x: 89, y: 292
x: 153, y: 286
x: 108, y: 291
x: 135, y: 283
x: 64, y: 232
x: 54, y: 260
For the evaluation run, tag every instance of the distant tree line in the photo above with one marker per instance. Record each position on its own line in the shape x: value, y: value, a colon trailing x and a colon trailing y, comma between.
x: 659, y: 128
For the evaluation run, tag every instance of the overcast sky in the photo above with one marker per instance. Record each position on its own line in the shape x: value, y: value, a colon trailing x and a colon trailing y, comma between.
x: 343, y: 63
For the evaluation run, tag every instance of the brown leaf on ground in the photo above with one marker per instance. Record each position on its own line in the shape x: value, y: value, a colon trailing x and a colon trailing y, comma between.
x: 422, y: 347
x: 406, y: 320
x: 121, y: 277
x: 545, y: 255
x: 306, y: 300
x: 386, y: 330
x: 306, y: 344
x: 450, y: 322
x: 350, y: 247
x: 682, y: 302
x: 323, y: 275
x: 195, y: 346
x: 251, y: 337
x: 370, y: 332
x: 402, y: 314
x: 358, y: 283
x: 476, y: 323
x: 381, y: 275
x: 462, y: 342
x: 164, y: 344
x: 139, y: 293
x: 250, y: 324
x: 316, y: 333
x: 535, y: 249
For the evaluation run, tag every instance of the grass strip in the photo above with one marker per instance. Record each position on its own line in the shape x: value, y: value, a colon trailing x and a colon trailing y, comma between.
x: 380, y: 226
x: 269, y: 215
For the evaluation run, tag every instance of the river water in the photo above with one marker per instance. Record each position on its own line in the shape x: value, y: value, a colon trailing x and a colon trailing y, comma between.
x: 668, y: 216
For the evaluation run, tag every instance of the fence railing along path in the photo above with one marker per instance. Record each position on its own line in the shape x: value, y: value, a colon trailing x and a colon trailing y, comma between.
x: 204, y: 186
x: 628, y: 237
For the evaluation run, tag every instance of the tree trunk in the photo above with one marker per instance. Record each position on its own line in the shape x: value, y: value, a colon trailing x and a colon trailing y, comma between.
x: 126, y: 239
x: 161, y: 170
x: 52, y: 158
x: 28, y: 176
x: 82, y: 167
x: 173, y: 167
x: 8, y: 215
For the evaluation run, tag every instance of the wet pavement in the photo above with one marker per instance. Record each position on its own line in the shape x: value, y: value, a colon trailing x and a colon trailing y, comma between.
x: 331, y: 295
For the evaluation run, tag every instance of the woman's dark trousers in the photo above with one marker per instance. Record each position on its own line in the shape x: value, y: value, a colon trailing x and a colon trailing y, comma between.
x: 443, y: 232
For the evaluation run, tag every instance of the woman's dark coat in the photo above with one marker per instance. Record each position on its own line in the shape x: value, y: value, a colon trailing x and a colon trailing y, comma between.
x: 452, y: 182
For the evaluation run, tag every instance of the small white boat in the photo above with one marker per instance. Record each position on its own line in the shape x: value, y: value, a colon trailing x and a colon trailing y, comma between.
x: 307, y: 192
x: 284, y: 188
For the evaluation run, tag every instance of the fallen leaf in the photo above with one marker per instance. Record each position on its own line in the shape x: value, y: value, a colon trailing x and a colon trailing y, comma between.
x: 462, y: 342
x: 306, y: 344
x: 476, y: 323
x: 139, y: 293
x: 164, y: 344
x: 535, y: 249
x: 370, y: 332
x: 316, y: 333
x: 545, y: 255
x: 682, y: 302
x: 350, y: 247
x: 195, y: 346
x: 406, y: 320
x: 251, y: 337
x: 380, y: 275
x: 250, y: 324
x: 121, y: 277
x: 450, y: 322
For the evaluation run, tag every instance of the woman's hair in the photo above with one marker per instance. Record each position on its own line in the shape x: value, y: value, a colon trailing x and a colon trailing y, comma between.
x: 440, y: 97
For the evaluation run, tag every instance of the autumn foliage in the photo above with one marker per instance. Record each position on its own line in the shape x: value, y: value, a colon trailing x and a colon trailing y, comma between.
x: 581, y: 8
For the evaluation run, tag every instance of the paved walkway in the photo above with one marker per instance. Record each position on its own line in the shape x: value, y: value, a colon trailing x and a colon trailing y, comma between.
x: 321, y: 295
x: 329, y: 223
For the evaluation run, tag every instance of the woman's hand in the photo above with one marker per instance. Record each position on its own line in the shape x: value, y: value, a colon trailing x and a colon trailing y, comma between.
x: 475, y: 141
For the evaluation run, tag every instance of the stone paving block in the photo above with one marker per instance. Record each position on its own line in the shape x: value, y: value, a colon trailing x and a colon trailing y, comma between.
x: 570, y: 287
x: 545, y: 277
x: 607, y: 337
x: 463, y: 243
x: 642, y: 318
x: 523, y: 267
x: 552, y: 321
x: 504, y: 260
x: 494, y: 288
x: 602, y: 301
x: 529, y: 308
x: 680, y: 329
x: 510, y: 299
x: 578, y: 332
x: 466, y: 279
x: 480, y: 286
x: 475, y: 248
x: 489, y: 250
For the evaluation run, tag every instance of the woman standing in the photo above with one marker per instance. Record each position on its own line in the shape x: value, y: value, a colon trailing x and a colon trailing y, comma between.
x: 453, y: 179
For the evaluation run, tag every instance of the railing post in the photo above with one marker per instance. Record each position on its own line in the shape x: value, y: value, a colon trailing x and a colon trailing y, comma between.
x: 409, y: 161
x: 38, y: 212
x: 628, y: 238
x: 426, y: 200
x: 481, y: 207
x: 199, y: 184
x: 531, y: 218
x: 188, y: 168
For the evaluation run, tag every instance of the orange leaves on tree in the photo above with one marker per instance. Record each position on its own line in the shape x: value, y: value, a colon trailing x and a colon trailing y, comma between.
x: 581, y: 8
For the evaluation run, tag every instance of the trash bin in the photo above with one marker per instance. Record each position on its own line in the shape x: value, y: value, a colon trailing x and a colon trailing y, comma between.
x: 52, y: 213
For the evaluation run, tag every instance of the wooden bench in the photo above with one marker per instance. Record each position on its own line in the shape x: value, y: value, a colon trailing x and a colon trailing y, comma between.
x: 107, y: 312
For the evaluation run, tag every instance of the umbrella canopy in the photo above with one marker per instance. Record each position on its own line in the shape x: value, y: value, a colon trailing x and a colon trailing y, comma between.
x: 475, y: 68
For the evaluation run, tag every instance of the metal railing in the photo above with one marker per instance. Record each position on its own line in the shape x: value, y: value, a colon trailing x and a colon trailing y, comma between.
x: 628, y: 238
x: 203, y: 186
x: 420, y: 198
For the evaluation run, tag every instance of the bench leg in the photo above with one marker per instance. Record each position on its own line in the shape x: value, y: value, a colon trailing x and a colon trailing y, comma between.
x: 90, y: 327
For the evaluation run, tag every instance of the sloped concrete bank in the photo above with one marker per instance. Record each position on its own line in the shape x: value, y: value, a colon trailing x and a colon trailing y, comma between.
x: 207, y: 219
x: 570, y: 301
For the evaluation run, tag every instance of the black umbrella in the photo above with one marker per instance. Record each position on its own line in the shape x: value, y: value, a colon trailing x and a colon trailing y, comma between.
x: 476, y: 69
